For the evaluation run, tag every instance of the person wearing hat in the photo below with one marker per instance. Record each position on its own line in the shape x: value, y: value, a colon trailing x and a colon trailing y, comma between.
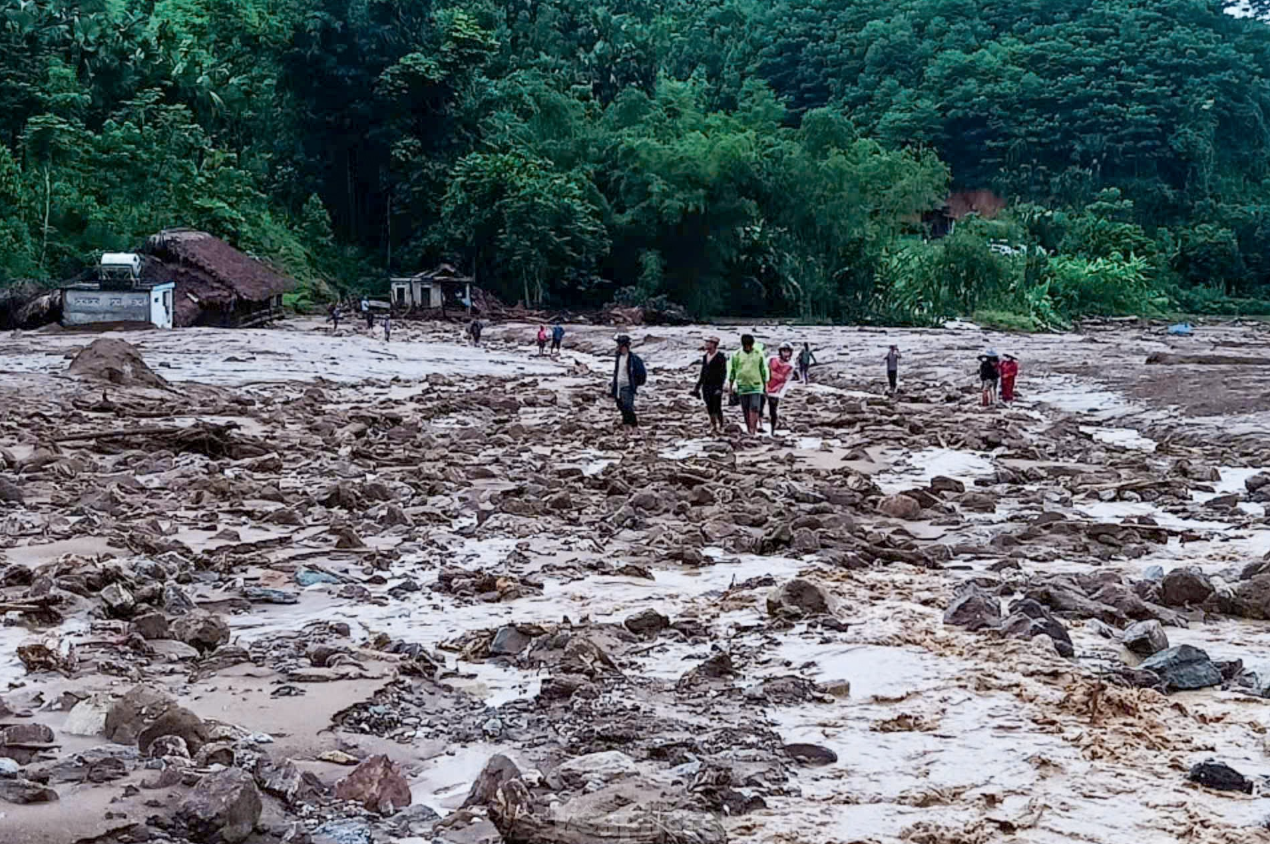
x: 747, y: 377
x: 1009, y: 370
x: 779, y: 368
x: 989, y: 372
x: 628, y: 376
x: 714, y: 372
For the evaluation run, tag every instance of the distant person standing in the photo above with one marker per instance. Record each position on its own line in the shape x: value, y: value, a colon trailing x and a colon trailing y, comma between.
x: 334, y: 311
x: 714, y: 372
x: 747, y: 378
x: 542, y: 340
x: 388, y: 327
x: 893, y: 367
x: 805, y: 359
x: 628, y: 376
x: 366, y: 314
x: 557, y: 337
x: 1009, y: 370
x: 989, y: 372
x: 780, y: 369
x: 474, y: 332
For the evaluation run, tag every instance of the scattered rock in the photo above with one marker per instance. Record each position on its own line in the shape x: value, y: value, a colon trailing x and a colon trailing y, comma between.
x: 498, y: 771
x: 509, y: 641
x: 799, y: 597
x: 973, y: 609
x: 151, y: 626
x: 88, y: 717
x: 175, y: 721
x: 811, y: 754
x: 114, y: 361
x: 647, y: 623
x: 1186, y: 586
x: 595, y: 769
x: 900, y: 506
x: 1145, y: 638
x: 202, y: 630
x: 1183, y: 668
x: 131, y: 714
x: 377, y: 784
x: 1219, y: 776
x: 22, y: 791
x: 223, y: 808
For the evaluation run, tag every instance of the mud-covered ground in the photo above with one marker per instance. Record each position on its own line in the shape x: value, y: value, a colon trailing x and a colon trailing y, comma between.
x: 303, y: 587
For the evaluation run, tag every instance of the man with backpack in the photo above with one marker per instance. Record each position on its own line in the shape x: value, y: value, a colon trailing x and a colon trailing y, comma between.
x: 629, y: 375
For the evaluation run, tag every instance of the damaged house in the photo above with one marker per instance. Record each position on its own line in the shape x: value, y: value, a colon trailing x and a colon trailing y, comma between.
x: 215, y: 284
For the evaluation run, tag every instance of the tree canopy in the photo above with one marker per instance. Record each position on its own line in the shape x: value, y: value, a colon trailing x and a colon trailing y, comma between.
x: 780, y: 157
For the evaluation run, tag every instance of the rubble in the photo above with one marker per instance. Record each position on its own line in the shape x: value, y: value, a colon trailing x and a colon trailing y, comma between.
x: 256, y: 586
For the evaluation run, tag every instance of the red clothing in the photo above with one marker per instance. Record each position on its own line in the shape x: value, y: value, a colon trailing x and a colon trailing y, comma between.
x: 1009, y: 371
x: 780, y: 371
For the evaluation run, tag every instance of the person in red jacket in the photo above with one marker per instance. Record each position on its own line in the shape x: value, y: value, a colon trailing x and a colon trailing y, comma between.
x: 1009, y: 371
x: 781, y: 368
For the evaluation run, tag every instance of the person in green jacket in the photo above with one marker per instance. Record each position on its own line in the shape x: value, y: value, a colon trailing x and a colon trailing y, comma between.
x: 747, y: 377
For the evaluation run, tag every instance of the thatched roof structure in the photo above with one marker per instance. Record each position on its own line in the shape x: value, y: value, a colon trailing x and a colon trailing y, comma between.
x: 210, y: 275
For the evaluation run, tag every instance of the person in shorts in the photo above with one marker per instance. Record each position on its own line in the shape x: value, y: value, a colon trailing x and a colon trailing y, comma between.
x: 747, y: 378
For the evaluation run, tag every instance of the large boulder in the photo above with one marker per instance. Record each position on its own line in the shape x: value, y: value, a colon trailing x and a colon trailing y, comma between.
x: 202, y: 630
x: 176, y: 721
x: 900, y: 506
x: 799, y: 597
x: 1183, y: 668
x: 1219, y: 776
x: 498, y: 771
x: 108, y: 359
x: 595, y: 770
x: 1185, y: 587
x: 223, y: 808
x: 377, y: 784
x: 1145, y: 638
x: 136, y: 710
x: 973, y: 609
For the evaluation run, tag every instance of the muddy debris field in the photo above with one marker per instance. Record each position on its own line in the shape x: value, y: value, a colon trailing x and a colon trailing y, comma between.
x: 282, y: 586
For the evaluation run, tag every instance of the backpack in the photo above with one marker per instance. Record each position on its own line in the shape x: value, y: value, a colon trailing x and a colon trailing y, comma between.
x: 639, y: 375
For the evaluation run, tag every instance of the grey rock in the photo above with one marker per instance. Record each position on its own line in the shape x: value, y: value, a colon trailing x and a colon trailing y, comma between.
x: 10, y: 492
x: 175, y: 721
x: 1219, y: 776
x: 1187, y: 586
x: 1183, y: 668
x: 1029, y: 619
x: 88, y: 717
x: 799, y: 597
x: 498, y: 771
x: 649, y: 622
x: 152, y: 626
x: 22, y: 791
x: 202, y: 630
x: 342, y: 832
x: 175, y: 600
x: 973, y: 608
x: 135, y: 711
x: 1153, y: 573
x: 1145, y: 638
x: 223, y: 808
x: 900, y: 506
x: 118, y: 600
x: 509, y: 641
x: 261, y: 595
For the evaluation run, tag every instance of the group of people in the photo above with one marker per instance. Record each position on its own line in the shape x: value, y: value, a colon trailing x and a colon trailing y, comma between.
x: 336, y: 312
x: 997, y: 369
x: 750, y: 379
x: 556, y: 336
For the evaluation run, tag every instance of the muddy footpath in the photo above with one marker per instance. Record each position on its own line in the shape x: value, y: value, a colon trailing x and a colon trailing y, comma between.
x: 282, y: 586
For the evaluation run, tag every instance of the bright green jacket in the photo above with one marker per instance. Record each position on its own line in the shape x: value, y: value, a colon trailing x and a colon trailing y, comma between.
x: 748, y: 371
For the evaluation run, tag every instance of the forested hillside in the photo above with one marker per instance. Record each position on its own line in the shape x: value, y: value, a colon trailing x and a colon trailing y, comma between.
x: 736, y: 156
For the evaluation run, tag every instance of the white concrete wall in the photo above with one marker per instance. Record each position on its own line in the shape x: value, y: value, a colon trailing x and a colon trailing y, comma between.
x: 84, y: 307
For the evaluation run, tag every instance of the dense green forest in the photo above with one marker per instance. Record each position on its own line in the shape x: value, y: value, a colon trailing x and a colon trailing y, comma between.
x: 735, y: 156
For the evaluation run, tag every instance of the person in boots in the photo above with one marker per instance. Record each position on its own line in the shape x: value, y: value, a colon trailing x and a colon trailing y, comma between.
x: 714, y: 372
x: 628, y: 376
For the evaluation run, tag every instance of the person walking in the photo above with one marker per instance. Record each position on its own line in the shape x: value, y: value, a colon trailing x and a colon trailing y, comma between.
x: 805, y: 359
x: 388, y: 327
x: 335, y: 318
x: 893, y: 367
x: 780, y: 368
x: 367, y: 315
x: 1009, y: 370
x: 557, y: 337
x: 474, y: 332
x: 714, y: 372
x: 542, y: 340
x: 747, y: 377
x: 629, y: 375
x: 989, y: 372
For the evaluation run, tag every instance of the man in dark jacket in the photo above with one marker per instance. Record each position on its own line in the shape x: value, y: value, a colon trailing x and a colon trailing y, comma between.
x: 628, y: 376
x: 714, y: 372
